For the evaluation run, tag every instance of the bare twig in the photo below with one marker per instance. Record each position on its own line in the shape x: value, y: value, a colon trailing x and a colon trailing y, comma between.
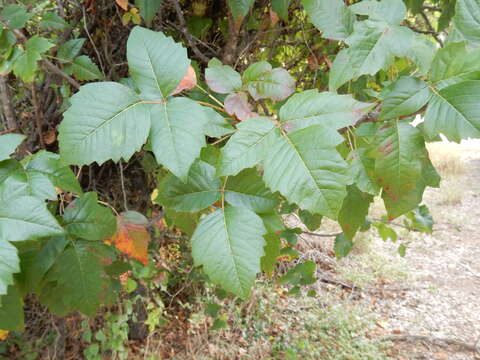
x: 38, y: 114
x: 53, y: 68
x: 11, y: 121
x: 431, y: 28
x: 321, y: 235
x: 186, y: 34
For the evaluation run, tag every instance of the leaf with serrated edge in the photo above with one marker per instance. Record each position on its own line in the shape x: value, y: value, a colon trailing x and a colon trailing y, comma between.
x: 248, y: 190
x: 200, y: 190
x: 332, y: 110
x: 247, y: 147
x: 229, y: 244
x: 305, y: 167
x: 454, y: 112
x: 406, y: 96
x: 107, y: 121
x: 9, y: 265
x: 88, y: 220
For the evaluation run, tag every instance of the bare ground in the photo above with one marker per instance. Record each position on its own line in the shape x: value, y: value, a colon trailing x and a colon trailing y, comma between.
x: 444, y: 300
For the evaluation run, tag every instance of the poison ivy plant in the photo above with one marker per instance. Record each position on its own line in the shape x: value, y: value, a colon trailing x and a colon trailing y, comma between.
x: 232, y: 159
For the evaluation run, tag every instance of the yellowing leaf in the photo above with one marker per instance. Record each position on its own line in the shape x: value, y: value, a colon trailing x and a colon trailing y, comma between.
x: 188, y: 82
x: 3, y: 334
x: 132, y: 236
x: 123, y: 4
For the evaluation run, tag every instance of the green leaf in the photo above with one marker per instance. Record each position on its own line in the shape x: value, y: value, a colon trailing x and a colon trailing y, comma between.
x: 178, y: 134
x: 78, y: 280
x: 281, y: 8
x: 248, y: 146
x: 420, y: 219
x: 229, y: 244
x: 200, y: 190
x: 362, y: 169
x: 453, y: 111
x: 9, y: 265
x: 453, y: 64
x: 43, y: 261
x: 86, y: 219
x: 240, y: 8
x: 276, y: 84
x: 301, y: 274
x: 16, y: 16
x: 305, y: 167
x: 467, y: 20
x: 156, y: 62
x: 69, y: 50
x: 354, y: 211
x: 272, y: 252
x: 342, y: 246
x: 386, y: 232
x: 217, y: 126
x: 51, y: 20
x: 406, y: 96
x: 115, y: 127
x: 311, y: 221
x: 38, y: 44
x: 48, y: 164
x: 222, y: 78
x: 373, y: 46
x: 9, y: 143
x: 329, y: 109
x: 331, y: 17
x: 399, y: 168
x: 247, y: 190
x: 148, y: 9
x: 26, y: 65
x: 84, y: 68
x: 11, y: 311
x: 26, y: 218
x: 391, y: 11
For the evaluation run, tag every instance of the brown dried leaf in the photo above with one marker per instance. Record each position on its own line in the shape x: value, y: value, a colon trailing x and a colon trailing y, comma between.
x: 123, y: 4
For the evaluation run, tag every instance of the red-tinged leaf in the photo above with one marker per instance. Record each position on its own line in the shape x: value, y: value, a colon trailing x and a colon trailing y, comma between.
x: 123, y: 4
x: 237, y: 104
x: 188, y: 82
x: 132, y: 236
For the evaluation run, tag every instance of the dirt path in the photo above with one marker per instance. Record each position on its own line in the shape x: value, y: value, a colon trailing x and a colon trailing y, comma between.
x: 444, y: 268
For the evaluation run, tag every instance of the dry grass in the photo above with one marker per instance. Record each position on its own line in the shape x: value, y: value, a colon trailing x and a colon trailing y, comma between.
x: 447, y: 158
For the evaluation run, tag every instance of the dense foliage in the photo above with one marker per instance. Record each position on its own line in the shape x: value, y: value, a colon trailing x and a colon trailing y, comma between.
x: 265, y: 139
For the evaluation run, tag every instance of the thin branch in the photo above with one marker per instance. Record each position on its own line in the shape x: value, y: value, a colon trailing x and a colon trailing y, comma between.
x: 321, y: 235
x: 11, y: 121
x: 38, y: 114
x: 431, y: 28
x: 122, y: 182
x: 184, y: 31
x: 53, y: 68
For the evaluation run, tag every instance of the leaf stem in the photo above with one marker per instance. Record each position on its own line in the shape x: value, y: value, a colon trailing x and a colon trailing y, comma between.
x: 223, y: 192
x: 212, y: 106
x: 210, y: 96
